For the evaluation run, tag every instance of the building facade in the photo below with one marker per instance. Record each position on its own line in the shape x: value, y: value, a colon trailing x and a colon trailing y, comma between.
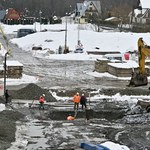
x: 141, y: 15
x: 87, y: 10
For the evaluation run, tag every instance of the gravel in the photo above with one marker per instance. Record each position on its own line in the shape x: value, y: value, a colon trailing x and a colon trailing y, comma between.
x: 8, y: 120
x: 125, y: 91
x: 30, y: 92
x: 9, y: 116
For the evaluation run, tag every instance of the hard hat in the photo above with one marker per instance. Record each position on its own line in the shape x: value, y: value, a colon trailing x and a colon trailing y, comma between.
x: 77, y: 93
x: 43, y: 95
x: 82, y: 94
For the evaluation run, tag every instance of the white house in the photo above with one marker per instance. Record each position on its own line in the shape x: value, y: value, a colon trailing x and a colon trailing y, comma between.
x: 141, y: 14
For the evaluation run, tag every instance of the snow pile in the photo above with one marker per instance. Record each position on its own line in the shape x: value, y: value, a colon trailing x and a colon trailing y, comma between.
x: 114, y: 146
x: 2, y: 107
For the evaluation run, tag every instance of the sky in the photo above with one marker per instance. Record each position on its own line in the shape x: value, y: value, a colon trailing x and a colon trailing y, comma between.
x: 106, y: 40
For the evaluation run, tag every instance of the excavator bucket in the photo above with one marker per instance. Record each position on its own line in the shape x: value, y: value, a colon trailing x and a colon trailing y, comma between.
x: 138, y: 79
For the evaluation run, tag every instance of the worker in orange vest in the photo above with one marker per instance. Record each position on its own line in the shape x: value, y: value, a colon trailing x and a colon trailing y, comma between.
x: 76, y: 100
x: 41, y: 101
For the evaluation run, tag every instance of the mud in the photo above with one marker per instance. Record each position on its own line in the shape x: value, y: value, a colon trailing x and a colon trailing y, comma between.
x: 49, y: 129
x: 8, y: 127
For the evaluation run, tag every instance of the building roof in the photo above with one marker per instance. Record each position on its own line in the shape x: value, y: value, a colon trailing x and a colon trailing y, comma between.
x: 13, y: 63
x: 97, y: 5
x: 145, y: 3
x: 112, y: 19
x: 12, y: 14
x: 2, y: 14
x: 138, y: 12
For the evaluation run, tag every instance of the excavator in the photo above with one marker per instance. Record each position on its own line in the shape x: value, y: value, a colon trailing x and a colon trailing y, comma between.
x: 139, y: 78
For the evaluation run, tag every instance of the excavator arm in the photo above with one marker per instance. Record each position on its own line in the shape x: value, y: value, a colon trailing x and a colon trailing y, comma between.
x: 140, y: 78
x: 143, y: 52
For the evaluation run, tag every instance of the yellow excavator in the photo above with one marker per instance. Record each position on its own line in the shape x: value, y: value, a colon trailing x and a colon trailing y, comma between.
x: 139, y: 78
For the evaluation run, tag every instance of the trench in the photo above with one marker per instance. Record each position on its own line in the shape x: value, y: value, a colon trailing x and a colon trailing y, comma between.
x: 49, y: 128
x: 91, y: 114
x: 56, y: 132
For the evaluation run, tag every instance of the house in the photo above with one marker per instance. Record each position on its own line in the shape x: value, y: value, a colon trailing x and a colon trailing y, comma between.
x: 141, y: 15
x: 86, y: 10
x: 12, y: 16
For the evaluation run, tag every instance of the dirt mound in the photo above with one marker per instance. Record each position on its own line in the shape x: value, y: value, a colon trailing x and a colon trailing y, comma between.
x: 125, y: 91
x: 8, y: 127
x: 32, y: 91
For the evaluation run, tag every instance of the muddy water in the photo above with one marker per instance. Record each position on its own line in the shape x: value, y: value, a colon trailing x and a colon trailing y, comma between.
x: 48, y: 129
x: 36, y: 136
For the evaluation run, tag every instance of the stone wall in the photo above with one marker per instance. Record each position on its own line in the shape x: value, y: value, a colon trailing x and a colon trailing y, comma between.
x: 1, y: 71
x: 14, y: 69
x: 119, y: 72
x: 103, y: 52
x: 101, y: 65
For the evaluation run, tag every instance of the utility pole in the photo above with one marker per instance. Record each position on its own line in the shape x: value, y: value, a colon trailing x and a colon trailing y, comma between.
x: 78, y: 42
x: 40, y: 19
x: 5, y: 65
x: 65, y: 50
x: 5, y: 59
x: 35, y: 23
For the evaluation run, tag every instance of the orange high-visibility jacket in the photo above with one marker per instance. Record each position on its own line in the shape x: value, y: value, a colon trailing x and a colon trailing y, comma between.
x: 76, y: 99
x: 41, y: 100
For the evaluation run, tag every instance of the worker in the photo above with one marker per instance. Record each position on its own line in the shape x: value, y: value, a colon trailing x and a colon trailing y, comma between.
x: 41, y: 101
x: 83, y: 101
x: 6, y: 96
x: 76, y: 100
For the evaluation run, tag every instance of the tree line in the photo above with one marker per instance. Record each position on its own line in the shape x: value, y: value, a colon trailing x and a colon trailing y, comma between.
x: 119, y: 8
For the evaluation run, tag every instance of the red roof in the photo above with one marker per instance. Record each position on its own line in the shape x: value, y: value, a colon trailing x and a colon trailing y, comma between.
x: 12, y: 14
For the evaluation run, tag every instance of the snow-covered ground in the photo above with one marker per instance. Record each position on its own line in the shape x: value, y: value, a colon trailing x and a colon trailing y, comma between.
x: 91, y: 40
x: 53, y: 38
